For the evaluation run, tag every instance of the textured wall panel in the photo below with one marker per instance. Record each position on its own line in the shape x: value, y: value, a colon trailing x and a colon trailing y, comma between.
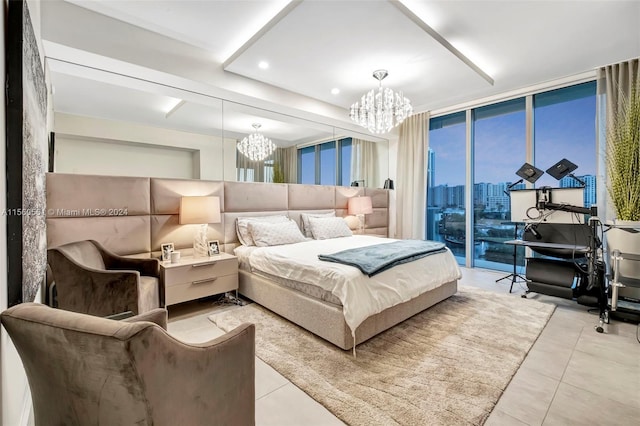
x: 251, y: 197
x: 311, y: 197
x: 166, y: 193
x: 71, y: 195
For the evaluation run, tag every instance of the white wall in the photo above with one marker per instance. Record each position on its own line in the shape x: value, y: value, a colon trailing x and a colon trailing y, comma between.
x: 99, y: 157
x: 209, y: 157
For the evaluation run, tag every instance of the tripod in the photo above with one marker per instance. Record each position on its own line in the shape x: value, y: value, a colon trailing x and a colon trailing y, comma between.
x: 514, y: 275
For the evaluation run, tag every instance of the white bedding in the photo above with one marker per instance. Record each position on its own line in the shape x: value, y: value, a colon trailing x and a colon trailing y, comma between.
x: 360, y: 295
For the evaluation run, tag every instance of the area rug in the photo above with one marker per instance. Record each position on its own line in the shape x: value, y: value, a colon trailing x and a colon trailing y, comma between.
x: 447, y: 365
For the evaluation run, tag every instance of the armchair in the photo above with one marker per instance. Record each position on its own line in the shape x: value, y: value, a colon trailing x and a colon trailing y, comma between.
x: 92, y: 280
x: 85, y: 370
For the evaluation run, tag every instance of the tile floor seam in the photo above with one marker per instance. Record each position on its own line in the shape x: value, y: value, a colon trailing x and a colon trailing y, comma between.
x: 272, y: 391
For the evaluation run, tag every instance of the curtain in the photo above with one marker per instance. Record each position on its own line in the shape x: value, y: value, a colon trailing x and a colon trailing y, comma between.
x: 615, y: 85
x: 363, y: 162
x: 411, y: 185
x: 252, y: 171
x: 287, y: 160
x: 616, y: 79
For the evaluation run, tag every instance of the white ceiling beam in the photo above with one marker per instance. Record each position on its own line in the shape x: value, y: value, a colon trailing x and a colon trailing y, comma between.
x: 175, y: 108
x: 437, y: 37
x: 262, y: 31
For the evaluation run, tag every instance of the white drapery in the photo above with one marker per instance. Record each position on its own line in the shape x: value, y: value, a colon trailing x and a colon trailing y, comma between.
x: 616, y: 83
x: 287, y: 159
x: 411, y: 182
x: 262, y: 171
x: 363, y: 162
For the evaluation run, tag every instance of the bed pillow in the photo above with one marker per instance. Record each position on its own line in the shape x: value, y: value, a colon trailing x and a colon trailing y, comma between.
x: 242, y: 226
x: 266, y: 234
x: 304, y: 219
x: 323, y: 228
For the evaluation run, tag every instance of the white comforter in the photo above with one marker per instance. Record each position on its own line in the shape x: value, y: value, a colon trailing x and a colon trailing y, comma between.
x: 360, y: 295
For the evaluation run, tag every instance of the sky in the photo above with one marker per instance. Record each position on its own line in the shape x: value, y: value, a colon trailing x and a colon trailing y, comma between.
x: 561, y: 130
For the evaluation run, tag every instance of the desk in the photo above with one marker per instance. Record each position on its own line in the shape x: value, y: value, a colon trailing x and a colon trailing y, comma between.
x: 541, y: 244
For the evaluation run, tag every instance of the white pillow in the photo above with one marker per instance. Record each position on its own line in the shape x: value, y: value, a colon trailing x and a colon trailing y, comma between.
x: 304, y: 218
x: 266, y: 234
x: 242, y: 229
x: 329, y: 227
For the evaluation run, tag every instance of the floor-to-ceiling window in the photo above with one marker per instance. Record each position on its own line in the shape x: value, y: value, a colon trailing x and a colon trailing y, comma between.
x: 327, y: 163
x: 345, y: 162
x: 307, y: 165
x: 564, y: 126
x: 446, y: 173
x: 499, y: 149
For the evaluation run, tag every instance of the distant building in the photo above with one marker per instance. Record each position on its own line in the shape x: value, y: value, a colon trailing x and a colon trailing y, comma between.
x: 589, y: 190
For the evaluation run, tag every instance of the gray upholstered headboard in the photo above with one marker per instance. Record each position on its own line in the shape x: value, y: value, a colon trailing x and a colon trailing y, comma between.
x: 134, y: 216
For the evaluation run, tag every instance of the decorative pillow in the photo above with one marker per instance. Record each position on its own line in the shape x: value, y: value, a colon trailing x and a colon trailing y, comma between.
x: 266, y: 234
x: 242, y: 228
x: 329, y: 227
x: 304, y: 218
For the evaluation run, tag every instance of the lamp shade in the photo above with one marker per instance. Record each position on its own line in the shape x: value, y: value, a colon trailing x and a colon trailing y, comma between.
x: 199, y: 210
x: 360, y: 205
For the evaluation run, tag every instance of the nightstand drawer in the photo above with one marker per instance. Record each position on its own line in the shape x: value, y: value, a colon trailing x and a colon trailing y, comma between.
x: 199, y: 271
x: 195, y: 290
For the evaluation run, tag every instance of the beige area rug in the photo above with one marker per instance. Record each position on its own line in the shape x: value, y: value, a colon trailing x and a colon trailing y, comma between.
x: 445, y: 366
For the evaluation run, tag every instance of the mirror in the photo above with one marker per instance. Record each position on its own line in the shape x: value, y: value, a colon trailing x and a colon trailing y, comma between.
x: 107, y: 123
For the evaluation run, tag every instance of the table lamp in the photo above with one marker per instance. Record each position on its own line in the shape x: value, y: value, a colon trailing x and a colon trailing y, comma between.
x: 360, y: 206
x: 201, y: 211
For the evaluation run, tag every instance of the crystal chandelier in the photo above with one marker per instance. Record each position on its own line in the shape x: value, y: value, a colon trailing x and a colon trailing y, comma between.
x: 255, y: 146
x: 381, y: 111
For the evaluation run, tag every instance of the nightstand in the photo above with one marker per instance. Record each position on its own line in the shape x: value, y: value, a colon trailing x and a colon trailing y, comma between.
x: 195, y: 277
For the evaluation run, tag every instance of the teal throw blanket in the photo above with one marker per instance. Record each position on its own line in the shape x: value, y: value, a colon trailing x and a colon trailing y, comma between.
x: 372, y: 260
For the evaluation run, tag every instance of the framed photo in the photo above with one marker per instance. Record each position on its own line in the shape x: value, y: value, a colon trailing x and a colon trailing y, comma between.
x: 166, y: 248
x: 214, y: 247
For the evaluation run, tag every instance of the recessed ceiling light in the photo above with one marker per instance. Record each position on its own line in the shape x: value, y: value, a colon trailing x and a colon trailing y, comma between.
x: 263, y: 65
x: 335, y: 91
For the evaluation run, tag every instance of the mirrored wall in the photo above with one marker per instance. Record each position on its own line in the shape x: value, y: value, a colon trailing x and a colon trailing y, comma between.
x: 112, y: 124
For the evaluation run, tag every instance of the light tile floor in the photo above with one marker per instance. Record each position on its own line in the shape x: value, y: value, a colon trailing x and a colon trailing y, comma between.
x: 571, y: 376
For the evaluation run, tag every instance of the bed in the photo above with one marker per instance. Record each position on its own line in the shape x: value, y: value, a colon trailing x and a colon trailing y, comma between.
x: 338, y: 302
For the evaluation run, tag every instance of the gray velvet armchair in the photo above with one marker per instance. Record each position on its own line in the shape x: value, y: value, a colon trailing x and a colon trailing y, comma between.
x: 85, y: 370
x: 92, y: 280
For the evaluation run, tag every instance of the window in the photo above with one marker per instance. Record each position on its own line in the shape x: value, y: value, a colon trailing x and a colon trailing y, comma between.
x: 345, y: 162
x: 446, y: 173
x: 325, y: 163
x: 499, y: 149
x: 307, y: 165
x: 328, y: 163
x: 564, y: 127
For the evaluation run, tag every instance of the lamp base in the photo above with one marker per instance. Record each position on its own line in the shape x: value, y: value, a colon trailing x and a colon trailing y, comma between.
x: 200, y: 246
x: 361, y: 223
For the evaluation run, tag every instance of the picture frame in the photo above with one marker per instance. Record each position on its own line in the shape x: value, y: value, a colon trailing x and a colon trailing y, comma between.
x: 214, y: 247
x: 166, y: 249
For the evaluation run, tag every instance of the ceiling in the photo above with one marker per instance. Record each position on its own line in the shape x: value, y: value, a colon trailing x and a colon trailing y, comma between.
x: 439, y: 53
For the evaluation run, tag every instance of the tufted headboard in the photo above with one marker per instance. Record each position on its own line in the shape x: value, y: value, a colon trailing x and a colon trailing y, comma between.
x: 133, y: 216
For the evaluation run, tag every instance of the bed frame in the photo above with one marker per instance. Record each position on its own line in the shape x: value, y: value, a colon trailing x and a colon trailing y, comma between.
x: 151, y: 218
x: 325, y: 319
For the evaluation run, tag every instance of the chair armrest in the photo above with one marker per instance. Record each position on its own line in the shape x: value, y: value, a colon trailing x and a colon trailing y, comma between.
x: 219, y: 374
x: 157, y: 316
x: 93, y: 291
x: 148, y: 267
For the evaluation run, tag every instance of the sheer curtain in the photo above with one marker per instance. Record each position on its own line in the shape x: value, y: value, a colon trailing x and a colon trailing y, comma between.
x: 363, y: 161
x: 411, y: 185
x: 287, y: 159
x: 248, y: 170
x: 615, y: 84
